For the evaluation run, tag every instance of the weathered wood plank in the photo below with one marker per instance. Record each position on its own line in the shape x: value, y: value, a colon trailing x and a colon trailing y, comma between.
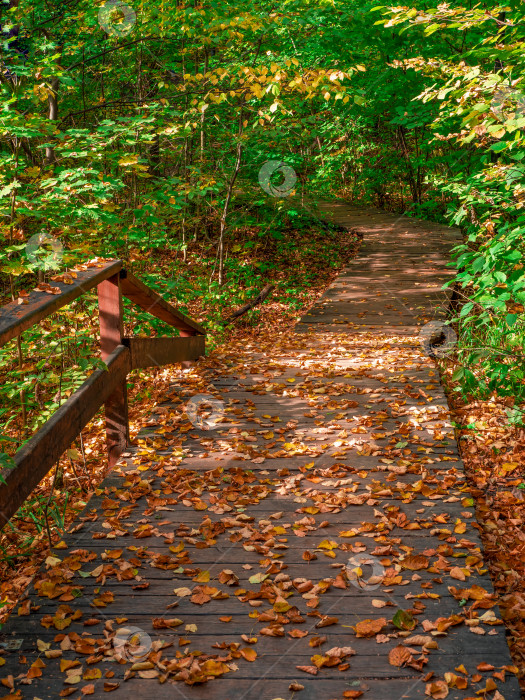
x: 15, y: 318
x: 210, y: 629
x: 284, y: 665
x: 267, y: 687
x: 148, y: 300
x: 39, y: 454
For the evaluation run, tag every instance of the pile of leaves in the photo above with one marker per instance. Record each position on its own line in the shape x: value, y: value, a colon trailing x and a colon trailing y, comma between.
x: 492, y: 449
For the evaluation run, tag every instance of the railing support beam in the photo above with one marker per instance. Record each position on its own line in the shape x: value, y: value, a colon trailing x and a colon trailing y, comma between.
x: 111, y: 335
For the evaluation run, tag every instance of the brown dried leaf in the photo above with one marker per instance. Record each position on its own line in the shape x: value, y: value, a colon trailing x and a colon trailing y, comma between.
x: 415, y: 562
x: 437, y: 690
x: 399, y: 656
x: 295, y: 687
x: 312, y: 670
x: 369, y: 628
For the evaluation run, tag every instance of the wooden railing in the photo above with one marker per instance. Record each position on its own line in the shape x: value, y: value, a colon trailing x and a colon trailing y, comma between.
x: 104, y: 386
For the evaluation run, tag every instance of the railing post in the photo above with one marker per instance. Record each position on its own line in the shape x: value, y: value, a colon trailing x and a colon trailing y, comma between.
x: 187, y: 364
x: 111, y: 334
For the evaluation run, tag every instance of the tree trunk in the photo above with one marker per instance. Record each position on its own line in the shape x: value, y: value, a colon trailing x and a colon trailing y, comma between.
x: 225, y: 210
x: 53, y: 115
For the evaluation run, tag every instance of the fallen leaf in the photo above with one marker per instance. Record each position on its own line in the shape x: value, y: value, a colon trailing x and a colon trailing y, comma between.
x: 369, y: 628
x: 437, y: 690
x: 399, y: 656
x: 415, y: 562
x: 312, y: 670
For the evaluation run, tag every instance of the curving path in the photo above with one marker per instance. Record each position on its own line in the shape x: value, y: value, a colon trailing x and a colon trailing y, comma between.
x: 318, y: 543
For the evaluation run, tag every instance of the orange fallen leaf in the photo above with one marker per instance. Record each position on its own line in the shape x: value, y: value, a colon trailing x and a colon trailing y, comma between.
x: 437, y: 690
x: 109, y: 686
x: 297, y: 634
x: 399, y: 656
x: 485, y: 667
x: 326, y: 621
x: 249, y: 654
x: 369, y: 628
x: 312, y: 670
x: 160, y: 623
x: 415, y: 562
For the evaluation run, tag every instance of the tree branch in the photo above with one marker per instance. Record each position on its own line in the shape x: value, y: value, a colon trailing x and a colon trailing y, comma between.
x: 257, y: 300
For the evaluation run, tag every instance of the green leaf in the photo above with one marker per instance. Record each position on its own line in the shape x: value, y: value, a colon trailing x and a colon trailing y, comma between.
x: 458, y: 374
x: 403, y: 620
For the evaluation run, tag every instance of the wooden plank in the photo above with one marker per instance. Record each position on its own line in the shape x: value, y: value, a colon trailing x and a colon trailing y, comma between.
x: 270, y: 646
x: 148, y: 300
x: 37, y: 456
x: 266, y: 687
x: 156, y: 352
x: 15, y: 318
x: 111, y: 332
x: 284, y: 665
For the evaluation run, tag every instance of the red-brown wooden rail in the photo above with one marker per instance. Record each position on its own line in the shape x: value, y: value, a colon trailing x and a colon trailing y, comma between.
x: 104, y: 386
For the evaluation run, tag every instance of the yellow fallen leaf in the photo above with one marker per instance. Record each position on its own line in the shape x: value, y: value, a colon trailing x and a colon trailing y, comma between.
x: 507, y: 467
x: 203, y: 577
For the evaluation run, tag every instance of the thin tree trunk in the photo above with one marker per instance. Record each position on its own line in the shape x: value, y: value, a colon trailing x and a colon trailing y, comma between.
x: 410, y: 170
x: 227, y: 205
x: 53, y: 115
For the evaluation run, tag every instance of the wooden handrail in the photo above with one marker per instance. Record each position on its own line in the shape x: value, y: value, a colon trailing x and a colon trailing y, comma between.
x: 106, y: 387
x: 15, y: 318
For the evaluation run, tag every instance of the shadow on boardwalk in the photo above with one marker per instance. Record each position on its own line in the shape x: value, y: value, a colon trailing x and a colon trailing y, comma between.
x: 318, y: 542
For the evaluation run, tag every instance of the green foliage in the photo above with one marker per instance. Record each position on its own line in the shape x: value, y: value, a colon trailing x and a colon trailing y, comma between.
x: 141, y: 135
x: 474, y: 63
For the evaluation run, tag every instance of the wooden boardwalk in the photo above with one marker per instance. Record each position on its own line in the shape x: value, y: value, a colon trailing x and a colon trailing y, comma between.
x: 319, y: 542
